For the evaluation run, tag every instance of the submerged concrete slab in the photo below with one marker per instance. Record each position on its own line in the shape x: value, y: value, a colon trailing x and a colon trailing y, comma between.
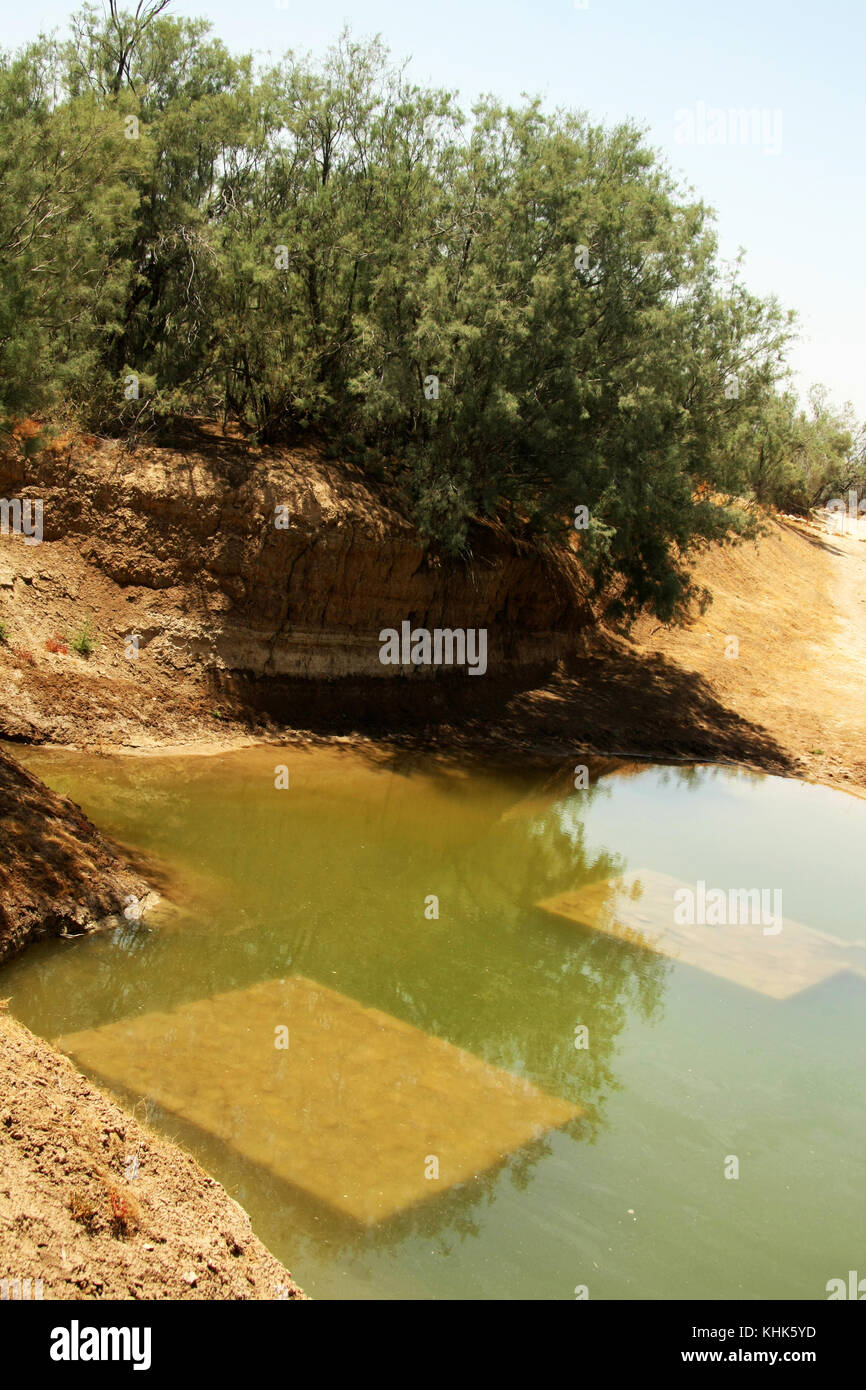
x: 638, y: 908
x: 351, y: 1113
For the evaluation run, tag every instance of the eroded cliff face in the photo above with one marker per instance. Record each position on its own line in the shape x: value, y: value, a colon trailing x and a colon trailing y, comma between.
x: 58, y: 875
x: 272, y: 575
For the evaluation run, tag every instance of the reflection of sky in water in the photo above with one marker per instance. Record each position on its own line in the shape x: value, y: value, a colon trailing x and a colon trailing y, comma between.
x: 733, y: 829
x: 329, y: 881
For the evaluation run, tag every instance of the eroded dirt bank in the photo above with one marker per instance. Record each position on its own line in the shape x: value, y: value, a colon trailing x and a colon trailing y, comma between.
x: 95, y: 1205
x: 255, y: 585
x: 248, y: 631
x: 58, y: 875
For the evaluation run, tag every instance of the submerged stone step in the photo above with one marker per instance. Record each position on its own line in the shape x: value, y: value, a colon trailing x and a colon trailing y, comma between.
x: 352, y: 1112
x: 647, y: 909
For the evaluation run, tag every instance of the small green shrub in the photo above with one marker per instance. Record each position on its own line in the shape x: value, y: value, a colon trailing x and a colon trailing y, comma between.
x: 84, y: 641
x: 4, y: 635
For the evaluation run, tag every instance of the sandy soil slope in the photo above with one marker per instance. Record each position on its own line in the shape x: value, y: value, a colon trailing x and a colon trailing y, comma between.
x: 95, y: 1205
x: 792, y: 701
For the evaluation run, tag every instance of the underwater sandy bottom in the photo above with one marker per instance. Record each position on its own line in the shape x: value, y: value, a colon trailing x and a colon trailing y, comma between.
x: 356, y: 1108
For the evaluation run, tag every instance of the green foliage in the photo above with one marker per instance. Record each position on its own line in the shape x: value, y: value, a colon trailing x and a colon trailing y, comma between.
x: 4, y: 635
x: 799, y: 459
x: 306, y: 248
x: 65, y: 206
x: 84, y: 641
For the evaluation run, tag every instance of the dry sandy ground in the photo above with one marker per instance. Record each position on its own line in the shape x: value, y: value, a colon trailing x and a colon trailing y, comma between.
x: 97, y: 1206
x: 791, y: 700
x: 796, y: 603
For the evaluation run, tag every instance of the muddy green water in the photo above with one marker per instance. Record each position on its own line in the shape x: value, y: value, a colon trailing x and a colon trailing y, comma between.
x: 328, y: 880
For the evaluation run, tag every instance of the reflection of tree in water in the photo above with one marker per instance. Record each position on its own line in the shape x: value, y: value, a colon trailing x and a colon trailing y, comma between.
x: 555, y: 976
x: 621, y: 979
x: 698, y: 776
x: 495, y: 976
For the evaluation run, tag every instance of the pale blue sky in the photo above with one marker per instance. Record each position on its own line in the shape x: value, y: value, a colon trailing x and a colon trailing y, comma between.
x: 797, y: 209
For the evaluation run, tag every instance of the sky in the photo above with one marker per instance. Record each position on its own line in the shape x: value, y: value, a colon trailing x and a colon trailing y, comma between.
x: 788, y: 184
